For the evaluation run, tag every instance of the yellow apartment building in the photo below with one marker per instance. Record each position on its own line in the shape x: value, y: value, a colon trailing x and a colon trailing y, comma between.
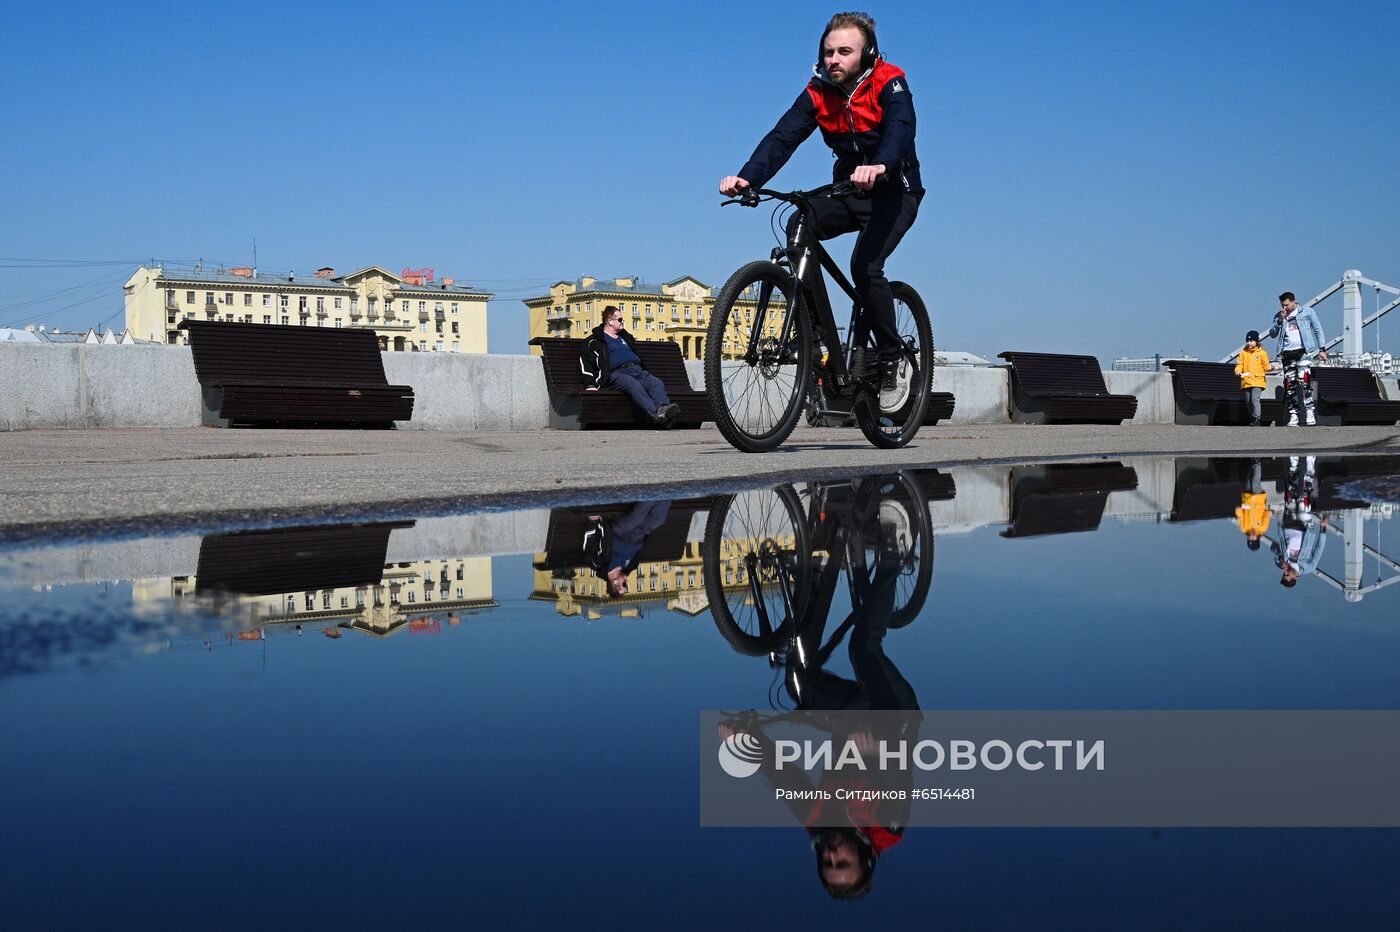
x: 404, y: 593
x: 679, y: 583
x: 409, y: 313
x: 678, y: 310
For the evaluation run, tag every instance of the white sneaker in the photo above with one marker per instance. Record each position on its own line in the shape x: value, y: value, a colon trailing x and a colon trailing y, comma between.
x: 1293, y: 419
x: 1312, y: 419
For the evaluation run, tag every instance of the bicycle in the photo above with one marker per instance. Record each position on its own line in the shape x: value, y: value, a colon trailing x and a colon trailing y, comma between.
x: 774, y: 559
x: 773, y: 346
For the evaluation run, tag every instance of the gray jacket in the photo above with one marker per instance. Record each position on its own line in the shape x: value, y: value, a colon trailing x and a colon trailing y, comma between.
x: 1309, y: 328
x: 1310, y: 550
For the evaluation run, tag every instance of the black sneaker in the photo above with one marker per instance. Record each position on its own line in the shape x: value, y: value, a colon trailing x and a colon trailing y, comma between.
x: 668, y: 414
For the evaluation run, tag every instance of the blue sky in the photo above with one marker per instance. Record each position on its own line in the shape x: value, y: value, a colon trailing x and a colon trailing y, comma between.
x: 1103, y: 177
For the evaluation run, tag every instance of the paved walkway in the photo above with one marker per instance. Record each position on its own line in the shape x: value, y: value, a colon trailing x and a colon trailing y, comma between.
x: 143, y: 478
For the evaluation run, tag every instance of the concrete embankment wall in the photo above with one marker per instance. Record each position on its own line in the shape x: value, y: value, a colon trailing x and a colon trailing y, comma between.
x: 78, y: 386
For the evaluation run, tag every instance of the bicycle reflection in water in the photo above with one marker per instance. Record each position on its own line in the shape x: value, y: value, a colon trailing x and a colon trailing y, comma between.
x: 774, y: 560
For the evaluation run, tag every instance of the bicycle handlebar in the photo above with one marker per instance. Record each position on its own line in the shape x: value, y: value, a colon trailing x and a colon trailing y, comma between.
x: 752, y: 197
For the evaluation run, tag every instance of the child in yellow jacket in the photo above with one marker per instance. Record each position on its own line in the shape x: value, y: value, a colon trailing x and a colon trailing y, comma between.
x: 1252, y: 365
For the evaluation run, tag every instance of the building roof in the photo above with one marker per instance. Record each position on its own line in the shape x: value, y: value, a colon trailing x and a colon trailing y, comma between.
x: 90, y: 336
x: 273, y: 281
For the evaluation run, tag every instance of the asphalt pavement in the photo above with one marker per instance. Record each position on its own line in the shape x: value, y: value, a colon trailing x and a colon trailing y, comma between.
x: 135, y: 480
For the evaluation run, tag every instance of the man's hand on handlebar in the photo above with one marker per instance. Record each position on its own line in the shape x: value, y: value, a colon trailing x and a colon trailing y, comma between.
x: 732, y: 185
x: 865, y: 176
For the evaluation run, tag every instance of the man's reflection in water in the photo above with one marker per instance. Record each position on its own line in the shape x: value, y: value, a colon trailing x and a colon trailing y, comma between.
x: 849, y: 836
x: 1304, y: 537
x: 612, y: 546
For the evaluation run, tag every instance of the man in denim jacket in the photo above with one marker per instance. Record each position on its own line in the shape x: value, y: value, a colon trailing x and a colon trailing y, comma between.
x: 1300, y: 337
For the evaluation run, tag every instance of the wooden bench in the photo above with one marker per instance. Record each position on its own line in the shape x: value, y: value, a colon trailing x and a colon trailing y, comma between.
x: 940, y: 407
x: 1210, y: 393
x: 1052, y: 388
x: 1064, y: 498
x: 1351, y: 396
x: 572, y: 407
x: 564, y: 542
x: 269, y: 375
x: 294, y: 560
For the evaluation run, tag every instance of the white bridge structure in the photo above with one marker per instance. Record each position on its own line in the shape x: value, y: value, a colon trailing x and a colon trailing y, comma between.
x: 1354, y: 354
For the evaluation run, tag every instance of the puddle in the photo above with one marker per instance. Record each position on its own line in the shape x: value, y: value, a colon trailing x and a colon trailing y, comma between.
x: 492, y: 717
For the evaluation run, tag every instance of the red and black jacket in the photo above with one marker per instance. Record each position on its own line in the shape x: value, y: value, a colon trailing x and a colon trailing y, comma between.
x: 873, y: 125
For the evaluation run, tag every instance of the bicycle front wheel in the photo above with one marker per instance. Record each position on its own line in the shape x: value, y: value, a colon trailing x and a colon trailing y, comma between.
x: 757, y: 563
x: 891, y: 419
x: 757, y: 357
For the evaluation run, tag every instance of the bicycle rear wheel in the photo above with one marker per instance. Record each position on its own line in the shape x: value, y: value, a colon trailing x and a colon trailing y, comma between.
x: 890, y: 420
x: 756, y: 542
x: 757, y: 361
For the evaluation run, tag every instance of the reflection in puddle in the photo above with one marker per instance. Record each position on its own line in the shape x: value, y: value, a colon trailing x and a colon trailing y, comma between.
x: 733, y: 557
x: 580, y: 643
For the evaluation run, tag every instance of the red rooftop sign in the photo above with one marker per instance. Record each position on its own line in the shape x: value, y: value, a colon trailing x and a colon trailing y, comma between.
x: 425, y: 275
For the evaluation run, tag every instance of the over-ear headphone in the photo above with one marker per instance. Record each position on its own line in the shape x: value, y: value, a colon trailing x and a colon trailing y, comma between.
x: 868, y: 55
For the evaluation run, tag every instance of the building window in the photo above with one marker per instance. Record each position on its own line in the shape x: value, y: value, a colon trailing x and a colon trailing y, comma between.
x: 438, y: 346
x: 310, y: 601
x: 208, y: 297
x: 267, y: 300
x: 634, y: 309
x: 301, y: 303
x: 228, y: 297
x: 412, y: 596
x: 320, y: 321
x: 284, y: 320
x: 285, y: 300
x: 228, y: 318
x: 344, y: 601
x: 422, y: 326
x: 422, y: 346
x: 354, y: 305
x: 325, y: 600
x: 338, y: 323
x: 437, y: 307
x: 337, y: 304
x: 320, y: 305
x: 189, y: 297
x: 267, y: 318
x: 405, y: 307
x: 454, y: 326
x: 247, y: 318
x: 454, y: 307
x: 247, y: 299
x: 372, y: 310
x: 422, y: 307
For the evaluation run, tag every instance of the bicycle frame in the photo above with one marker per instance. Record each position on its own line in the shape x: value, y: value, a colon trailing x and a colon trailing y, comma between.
x: 810, y: 290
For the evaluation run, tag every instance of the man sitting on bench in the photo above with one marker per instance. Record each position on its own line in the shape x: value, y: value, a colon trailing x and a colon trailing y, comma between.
x: 609, y: 360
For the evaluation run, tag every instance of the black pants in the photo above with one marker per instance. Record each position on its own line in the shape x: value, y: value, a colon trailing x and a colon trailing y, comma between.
x: 882, y: 220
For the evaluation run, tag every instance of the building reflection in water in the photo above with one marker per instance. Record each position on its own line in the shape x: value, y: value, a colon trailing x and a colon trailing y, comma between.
x: 332, y: 578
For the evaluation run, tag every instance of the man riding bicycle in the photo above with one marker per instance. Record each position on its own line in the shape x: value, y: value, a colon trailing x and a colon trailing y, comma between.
x: 866, y: 113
